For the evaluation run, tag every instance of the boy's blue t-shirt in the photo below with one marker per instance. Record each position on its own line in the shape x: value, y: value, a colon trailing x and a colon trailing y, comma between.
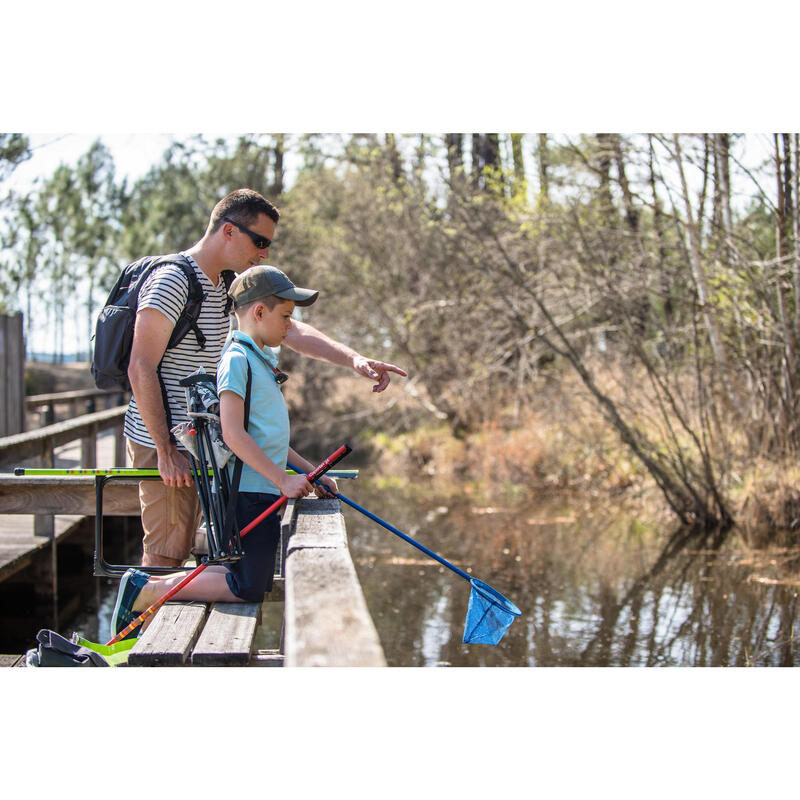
x: 269, y: 417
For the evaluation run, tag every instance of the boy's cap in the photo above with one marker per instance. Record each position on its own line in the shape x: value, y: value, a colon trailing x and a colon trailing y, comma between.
x: 265, y: 281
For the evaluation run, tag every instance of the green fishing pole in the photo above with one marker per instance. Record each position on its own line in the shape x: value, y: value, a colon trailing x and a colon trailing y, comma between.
x: 140, y: 473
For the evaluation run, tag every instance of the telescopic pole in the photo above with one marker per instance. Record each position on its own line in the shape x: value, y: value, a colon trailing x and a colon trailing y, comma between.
x: 319, y: 470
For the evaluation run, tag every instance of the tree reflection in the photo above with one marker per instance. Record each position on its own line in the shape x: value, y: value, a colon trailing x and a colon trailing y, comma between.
x: 595, y: 590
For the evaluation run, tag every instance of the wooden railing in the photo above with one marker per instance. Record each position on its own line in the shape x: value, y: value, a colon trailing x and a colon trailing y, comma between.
x: 41, y: 443
x: 46, y: 403
x: 327, y: 623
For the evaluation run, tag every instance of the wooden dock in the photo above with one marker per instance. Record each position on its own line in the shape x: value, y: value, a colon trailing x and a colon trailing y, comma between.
x: 325, y: 619
x: 23, y: 535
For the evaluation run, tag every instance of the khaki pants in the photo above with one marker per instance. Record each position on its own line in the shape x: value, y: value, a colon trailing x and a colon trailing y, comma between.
x: 170, y: 515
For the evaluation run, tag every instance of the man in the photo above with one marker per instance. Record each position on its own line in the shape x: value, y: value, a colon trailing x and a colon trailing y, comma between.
x: 238, y: 236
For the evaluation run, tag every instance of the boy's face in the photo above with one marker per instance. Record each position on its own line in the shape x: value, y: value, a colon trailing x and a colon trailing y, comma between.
x: 272, y: 326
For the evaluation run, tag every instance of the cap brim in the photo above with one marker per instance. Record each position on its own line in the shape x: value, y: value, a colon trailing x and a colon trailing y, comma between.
x: 301, y: 297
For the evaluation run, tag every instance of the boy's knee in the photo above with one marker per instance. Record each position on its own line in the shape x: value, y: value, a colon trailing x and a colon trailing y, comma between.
x: 251, y: 594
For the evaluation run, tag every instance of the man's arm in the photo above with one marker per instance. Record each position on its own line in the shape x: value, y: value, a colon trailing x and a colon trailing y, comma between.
x: 150, y: 339
x: 308, y: 341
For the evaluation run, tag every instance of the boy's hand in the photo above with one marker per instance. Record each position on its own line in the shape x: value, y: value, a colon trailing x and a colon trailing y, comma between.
x: 330, y: 489
x: 296, y: 486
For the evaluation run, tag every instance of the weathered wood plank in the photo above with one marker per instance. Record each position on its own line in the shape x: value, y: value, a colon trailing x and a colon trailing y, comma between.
x: 170, y: 637
x: 327, y: 621
x: 318, y: 524
x: 18, y: 544
x: 17, y: 448
x: 326, y: 616
x: 227, y: 638
x: 71, y: 494
x: 34, y: 400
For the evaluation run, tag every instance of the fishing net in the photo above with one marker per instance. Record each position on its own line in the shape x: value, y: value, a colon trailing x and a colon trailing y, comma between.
x: 489, y: 614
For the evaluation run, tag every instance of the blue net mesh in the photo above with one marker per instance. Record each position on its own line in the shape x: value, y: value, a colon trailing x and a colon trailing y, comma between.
x: 489, y: 614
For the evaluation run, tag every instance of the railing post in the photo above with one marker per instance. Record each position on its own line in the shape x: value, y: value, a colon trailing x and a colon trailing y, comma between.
x: 89, y: 448
x: 119, y: 446
x: 48, y: 415
x: 45, y: 525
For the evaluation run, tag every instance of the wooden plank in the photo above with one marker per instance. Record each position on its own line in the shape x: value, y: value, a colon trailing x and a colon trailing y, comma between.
x: 10, y: 661
x: 19, y: 544
x: 327, y: 621
x: 227, y: 638
x: 322, y: 525
x: 70, y: 494
x: 22, y: 446
x: 170, y: 637
x: 34, y: 400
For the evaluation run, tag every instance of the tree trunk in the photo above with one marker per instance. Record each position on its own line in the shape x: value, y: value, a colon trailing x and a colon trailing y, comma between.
x: 279, y: 174
x: 520, y: 189
x: 605, y: 202
x: 543, y: 162
x: 455, y: 156
x: 477, y: 152
x: 659, y: 223
x: 631, y: 212
x: 394, y: 158
x: 796, y: 233
x: 693, y: 244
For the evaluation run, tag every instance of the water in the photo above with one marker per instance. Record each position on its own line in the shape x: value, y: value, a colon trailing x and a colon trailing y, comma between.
x: 583, y: 579
x: 580, y: 576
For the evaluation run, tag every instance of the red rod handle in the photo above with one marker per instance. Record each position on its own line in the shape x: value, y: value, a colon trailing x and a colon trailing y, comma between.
x: 320, y: 469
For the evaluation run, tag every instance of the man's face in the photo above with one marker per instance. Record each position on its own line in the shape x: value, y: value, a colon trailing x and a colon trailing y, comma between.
x: 244, y: 242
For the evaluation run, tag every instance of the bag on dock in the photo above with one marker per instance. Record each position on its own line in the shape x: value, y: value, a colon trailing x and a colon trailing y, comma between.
x: 56, y: 651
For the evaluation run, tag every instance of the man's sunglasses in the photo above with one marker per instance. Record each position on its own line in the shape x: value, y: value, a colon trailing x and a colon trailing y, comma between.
x: 261, y: 242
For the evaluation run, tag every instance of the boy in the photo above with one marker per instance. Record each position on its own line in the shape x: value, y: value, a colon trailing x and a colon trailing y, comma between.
x: 263, y: 301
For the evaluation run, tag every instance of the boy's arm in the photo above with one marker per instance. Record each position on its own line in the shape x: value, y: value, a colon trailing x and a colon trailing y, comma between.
x: 308, y: 341
x: 231, y: 414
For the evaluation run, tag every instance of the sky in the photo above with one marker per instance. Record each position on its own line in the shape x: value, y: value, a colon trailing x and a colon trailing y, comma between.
x: 135, y: 153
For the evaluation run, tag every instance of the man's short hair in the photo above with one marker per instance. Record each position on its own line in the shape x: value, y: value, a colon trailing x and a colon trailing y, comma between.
x: 243, y: 206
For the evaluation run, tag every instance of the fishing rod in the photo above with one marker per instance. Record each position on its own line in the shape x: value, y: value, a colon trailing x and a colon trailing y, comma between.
x: 141, y: 473
x: 489, y: 613
x: 318, y: 471
x: 352, y: 504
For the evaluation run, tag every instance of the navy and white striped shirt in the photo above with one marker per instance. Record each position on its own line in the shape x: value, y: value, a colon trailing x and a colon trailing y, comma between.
x: 167, y: 290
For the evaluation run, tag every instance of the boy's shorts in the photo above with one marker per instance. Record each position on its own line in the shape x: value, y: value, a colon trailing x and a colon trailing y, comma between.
x: 251, y: 576
x: 170, y: 515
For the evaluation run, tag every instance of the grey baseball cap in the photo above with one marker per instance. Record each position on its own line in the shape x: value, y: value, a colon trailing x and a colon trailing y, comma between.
x: 264, y: 281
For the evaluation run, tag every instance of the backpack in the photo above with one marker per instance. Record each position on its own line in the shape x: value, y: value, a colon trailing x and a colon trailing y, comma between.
x: 113, y: 337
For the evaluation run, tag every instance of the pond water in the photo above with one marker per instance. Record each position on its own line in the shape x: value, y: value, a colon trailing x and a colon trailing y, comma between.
x: 584, y: 581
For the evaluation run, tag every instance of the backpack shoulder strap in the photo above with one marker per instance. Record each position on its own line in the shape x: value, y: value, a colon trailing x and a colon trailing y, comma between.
x: 228, y: 275
x: 230, y: 512
x: 187, y: 321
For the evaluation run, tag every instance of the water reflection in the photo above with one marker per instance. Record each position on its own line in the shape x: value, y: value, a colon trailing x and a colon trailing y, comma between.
x: 595, y: 590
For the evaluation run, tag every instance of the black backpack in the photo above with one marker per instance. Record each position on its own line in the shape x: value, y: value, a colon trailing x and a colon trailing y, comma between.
x: 113, y: 337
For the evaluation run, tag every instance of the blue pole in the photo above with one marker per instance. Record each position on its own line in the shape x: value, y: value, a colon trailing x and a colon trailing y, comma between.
x: 394, y: 530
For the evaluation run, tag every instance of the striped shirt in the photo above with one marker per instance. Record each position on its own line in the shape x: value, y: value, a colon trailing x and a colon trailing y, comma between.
x: 167, y: 290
